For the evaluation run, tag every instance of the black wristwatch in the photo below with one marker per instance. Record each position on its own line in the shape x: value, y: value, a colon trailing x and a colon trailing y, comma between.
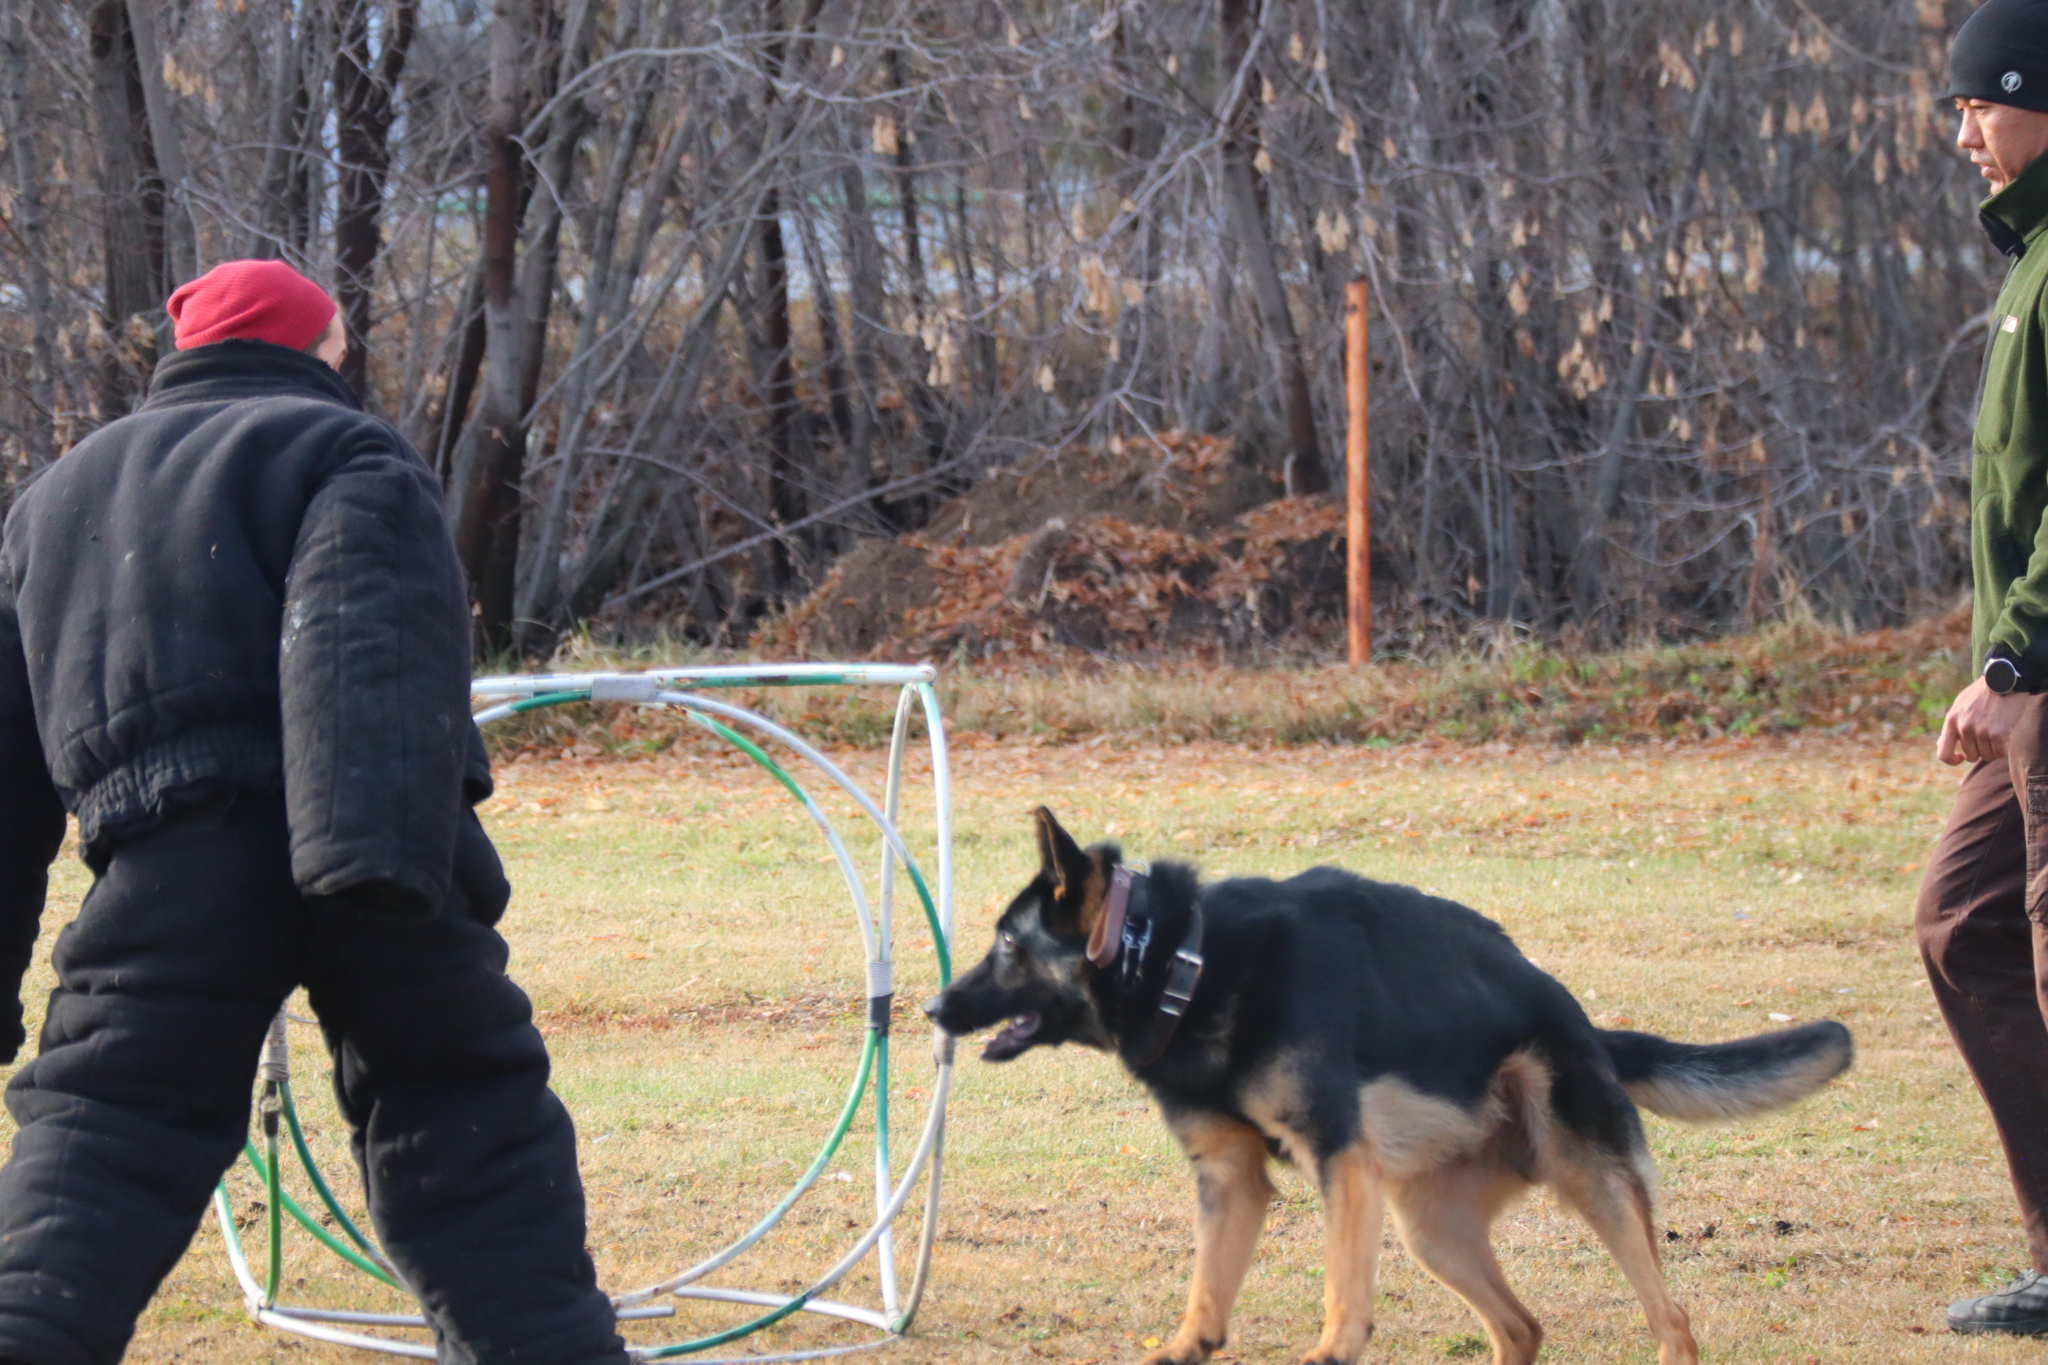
x: 2001, y: 675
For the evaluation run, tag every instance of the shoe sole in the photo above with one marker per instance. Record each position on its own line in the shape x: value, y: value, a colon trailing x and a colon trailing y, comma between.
x: 2037, y: 1328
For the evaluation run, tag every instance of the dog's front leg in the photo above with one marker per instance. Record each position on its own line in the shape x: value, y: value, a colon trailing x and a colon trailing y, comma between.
x: 1354, y: 1208
x: 1232, y: 1193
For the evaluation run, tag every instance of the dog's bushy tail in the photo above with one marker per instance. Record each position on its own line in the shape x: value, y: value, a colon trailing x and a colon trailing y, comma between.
x: 1698, y: 1083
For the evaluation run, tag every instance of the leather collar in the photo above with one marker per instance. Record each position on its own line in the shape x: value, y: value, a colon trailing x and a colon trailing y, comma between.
x: 1120, y: 941
x: 1183, y: 974
x: 1107, y: 940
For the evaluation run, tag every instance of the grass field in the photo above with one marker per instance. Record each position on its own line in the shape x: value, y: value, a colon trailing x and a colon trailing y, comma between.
x: 695, y: 964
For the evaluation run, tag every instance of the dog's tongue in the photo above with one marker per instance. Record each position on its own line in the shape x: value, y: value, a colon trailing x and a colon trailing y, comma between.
x: 1014, y: 1038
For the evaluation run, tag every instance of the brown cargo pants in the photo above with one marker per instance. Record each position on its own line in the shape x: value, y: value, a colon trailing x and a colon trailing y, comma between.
x: 1982, y: 923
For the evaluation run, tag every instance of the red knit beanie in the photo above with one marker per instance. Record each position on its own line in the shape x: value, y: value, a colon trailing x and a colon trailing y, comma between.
x: 252, y: 300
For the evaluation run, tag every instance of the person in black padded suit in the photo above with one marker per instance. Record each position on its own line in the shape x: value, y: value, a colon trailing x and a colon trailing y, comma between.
x: 234, y: 644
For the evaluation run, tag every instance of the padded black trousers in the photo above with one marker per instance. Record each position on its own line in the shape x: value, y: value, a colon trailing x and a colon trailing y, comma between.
x: 188, y: 942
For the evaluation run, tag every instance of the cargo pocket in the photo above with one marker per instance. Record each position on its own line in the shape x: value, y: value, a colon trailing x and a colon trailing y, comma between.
x: 2037, y: 847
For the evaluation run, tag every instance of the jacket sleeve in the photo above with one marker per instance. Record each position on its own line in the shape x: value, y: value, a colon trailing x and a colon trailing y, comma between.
x: 31, y: 824
x: 374, y: 680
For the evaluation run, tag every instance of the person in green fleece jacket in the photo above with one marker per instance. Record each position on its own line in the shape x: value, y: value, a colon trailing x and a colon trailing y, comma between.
x: 1982, y: 914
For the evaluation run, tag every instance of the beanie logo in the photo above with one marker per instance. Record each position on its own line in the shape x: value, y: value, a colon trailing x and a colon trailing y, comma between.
x: 2009, y: 82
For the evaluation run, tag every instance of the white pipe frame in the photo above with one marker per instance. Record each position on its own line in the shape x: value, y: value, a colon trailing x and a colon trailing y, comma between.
x: 662, y: 688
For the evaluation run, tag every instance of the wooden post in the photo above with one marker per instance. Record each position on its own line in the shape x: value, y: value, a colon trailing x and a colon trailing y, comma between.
x: 1357, y: 476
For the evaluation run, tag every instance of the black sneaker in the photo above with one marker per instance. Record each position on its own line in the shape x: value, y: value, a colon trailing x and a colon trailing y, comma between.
x: 2021, y: 1309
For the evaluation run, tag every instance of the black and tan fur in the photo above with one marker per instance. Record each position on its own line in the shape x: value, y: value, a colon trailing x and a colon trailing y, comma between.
x: 1395, y: 1046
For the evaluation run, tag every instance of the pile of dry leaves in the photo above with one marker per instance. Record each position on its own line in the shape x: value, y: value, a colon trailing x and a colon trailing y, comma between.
x: 1163, y: 574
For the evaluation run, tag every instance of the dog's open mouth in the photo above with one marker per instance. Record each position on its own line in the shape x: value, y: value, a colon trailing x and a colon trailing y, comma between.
x: 1014, y: 1038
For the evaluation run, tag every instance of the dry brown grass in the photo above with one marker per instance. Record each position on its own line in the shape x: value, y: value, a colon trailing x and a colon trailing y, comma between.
x: 1791, y: 678
x: 697, y: 973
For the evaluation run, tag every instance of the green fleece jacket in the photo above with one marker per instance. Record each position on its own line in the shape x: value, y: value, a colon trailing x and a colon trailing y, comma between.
x: 2009, y: 466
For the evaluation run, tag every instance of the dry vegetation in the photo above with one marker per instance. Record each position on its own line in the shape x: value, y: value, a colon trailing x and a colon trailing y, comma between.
x: 1799, y: 677
x: 693, y: 963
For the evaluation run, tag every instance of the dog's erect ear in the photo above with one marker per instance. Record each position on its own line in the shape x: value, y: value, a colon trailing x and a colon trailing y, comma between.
x: 1061, y: 860
x: 1080, y: 880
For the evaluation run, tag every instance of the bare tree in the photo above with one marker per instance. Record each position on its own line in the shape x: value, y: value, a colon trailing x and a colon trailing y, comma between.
x: 365, y: 86
x: 1675, y: 306
x: 30, y: 226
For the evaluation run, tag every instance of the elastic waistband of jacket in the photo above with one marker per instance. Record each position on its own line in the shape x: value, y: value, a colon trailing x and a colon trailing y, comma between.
x: 229, y: 755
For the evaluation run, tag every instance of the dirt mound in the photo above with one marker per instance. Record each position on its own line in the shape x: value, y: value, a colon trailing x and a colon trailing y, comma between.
x: 1181, y: 482
x: 1157, y: 547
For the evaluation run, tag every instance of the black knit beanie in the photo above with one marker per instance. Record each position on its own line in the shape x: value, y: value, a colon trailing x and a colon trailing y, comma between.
x: 2001, y: 55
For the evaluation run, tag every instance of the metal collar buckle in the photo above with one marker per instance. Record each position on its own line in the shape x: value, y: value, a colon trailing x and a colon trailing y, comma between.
x: 1180, y: 982
x: 1137, y: 938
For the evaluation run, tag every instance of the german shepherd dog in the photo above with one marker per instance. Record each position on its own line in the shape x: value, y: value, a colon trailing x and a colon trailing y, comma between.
x: 1395, y: 1046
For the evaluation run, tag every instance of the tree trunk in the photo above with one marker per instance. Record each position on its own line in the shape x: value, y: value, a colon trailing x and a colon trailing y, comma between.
x: 540, y: 589
x: 1302, y: 469
x: 518, y: 294
x: 29, y: 228
x: 490, y: 506
x: 617, y: 523
x: 831, y: 346
x: 867, y: 299
x: 1138, y: 139
x: 131, y: 223
x: 787, y: 502
x: 364, y: 85
x: 960, y: 238
x: 661, y: 184
x: 283, y: 153
x: 446, y: 423
x: 181, y: 240
x: 906, y: 198
x: 787, y: 469
x: 924, y: 402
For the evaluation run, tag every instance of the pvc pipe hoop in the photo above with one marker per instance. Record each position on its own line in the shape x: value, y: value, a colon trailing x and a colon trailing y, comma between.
x: 664, y: 687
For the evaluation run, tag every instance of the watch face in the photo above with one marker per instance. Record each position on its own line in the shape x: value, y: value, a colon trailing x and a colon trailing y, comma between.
x: 2001, y: 676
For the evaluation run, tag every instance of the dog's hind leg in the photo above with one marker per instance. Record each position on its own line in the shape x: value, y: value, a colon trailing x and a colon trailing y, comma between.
x: 1232, y: 1192
x: 1613, y: 1196
x: 1354, y: 1209
x: 1444, y: 1217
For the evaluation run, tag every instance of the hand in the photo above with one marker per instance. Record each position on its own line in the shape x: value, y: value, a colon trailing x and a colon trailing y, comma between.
x: 1978, y: 725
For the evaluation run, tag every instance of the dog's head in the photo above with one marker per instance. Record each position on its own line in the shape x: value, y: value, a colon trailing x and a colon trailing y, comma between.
x: 1033, y: 975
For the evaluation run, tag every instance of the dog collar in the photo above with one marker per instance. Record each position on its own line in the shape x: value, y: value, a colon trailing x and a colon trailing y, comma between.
x: 1120, y: 940
x: 1183, y: 974
x: 1107, y: 940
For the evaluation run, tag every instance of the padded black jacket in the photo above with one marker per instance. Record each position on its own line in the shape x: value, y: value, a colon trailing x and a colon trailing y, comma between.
x: 246, y: 584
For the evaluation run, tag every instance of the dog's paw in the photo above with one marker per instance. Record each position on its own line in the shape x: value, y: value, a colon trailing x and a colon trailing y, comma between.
x: 1184, y: 1349
x: 1343, y: 1352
